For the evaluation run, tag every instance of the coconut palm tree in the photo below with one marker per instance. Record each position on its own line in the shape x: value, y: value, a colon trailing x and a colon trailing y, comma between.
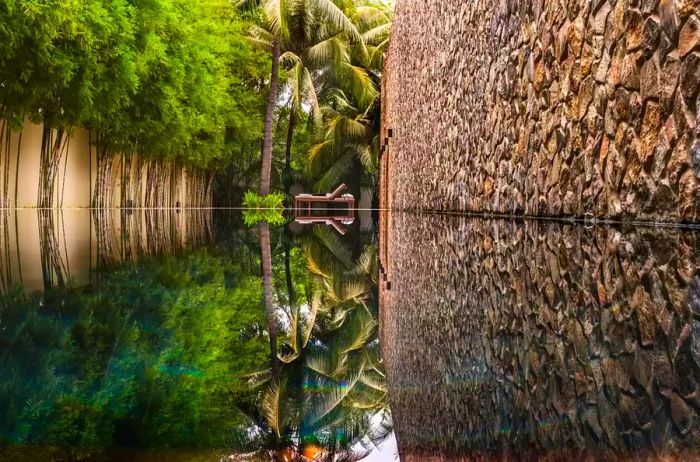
x: 290, y: 26
x: 348, y: 139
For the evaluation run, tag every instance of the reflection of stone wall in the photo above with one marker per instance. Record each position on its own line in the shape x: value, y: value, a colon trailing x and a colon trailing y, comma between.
x: 504, y: 338
x: 546, y: 107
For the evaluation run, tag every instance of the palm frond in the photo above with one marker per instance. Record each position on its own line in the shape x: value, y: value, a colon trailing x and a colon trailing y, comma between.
x: 310, y: 95
x: 334, y: 244
x: 376, y: 55
x: 377, y: 34
x: 314, y: 308
x: 289, y: 59
x: 380, y: 430
x: 331, y: 399
x: 351, y: 289
x: 260, y: 33
x: 296, y: 87
x: 333, y: 174
x: 258, y: 378
x: 276, y: 12
x: 259, y: 44
x: 373, y: 380
x: 367, y: 157
x: 354, y: 129
x: 367, y: 17
x: 366, y: 263
x: 337, y: 18
x: 363, y: 88
x: 316, y: 149
x: 326, y: 363
x: 315, y: 268
x: 272, y: 406
x: 331, y: 50
x: 364, y: 329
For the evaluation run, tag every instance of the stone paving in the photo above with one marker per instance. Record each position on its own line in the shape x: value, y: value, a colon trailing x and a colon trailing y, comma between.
x: 550, y: 108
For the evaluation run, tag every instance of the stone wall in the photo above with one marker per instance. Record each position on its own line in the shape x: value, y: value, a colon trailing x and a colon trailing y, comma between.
x: 535, y: 340
x: 550, y: 108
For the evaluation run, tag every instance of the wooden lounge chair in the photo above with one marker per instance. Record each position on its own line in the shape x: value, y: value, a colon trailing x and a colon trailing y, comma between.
x: 335, y: 197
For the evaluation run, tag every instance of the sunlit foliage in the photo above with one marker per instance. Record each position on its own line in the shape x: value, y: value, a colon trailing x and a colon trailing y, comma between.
x: 173, y: 79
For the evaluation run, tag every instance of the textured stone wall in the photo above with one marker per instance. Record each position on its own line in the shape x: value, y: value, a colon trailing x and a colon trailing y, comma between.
x: 541, y: 341
x: 578, y: 107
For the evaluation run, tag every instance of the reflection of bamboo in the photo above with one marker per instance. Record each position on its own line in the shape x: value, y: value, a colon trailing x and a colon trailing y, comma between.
x: 5, y: 261
x: 103, y: 226
x: 54, y: 266
x: 148, y: 232
x: 125, y: 238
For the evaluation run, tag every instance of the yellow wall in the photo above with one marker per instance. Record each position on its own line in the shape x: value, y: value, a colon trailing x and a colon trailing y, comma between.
x: 76, y: 177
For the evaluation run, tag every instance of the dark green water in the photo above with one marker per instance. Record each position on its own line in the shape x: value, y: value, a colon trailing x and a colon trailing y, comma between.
x: 143, y: 336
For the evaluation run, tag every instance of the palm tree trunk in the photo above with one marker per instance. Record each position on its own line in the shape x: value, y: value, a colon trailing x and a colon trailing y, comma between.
x: 267, y: 137
x: 288, y: 151
x: 264, y: 230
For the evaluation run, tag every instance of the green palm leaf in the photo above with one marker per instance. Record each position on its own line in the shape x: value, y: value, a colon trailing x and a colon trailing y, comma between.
x: 273, y: 406
x: 335, y: 245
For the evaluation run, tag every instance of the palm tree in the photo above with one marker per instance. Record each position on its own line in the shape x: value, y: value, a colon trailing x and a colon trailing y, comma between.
x: 349, y: 135
x: 290, y: 26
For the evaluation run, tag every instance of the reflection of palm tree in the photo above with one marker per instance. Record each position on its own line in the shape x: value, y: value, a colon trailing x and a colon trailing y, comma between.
x: 321, y: 401
x: 272, y: 323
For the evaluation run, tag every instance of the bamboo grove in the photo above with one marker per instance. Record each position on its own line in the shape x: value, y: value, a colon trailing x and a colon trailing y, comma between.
x: 162, y: 86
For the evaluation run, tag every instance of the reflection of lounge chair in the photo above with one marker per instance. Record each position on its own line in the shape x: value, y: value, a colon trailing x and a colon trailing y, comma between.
x: 336, y: 223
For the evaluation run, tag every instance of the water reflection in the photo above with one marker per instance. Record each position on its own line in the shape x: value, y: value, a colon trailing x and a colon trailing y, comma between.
x: 323, y: 396
x: 44, y: 248
x: 528, y: 340
x: 126, y: 336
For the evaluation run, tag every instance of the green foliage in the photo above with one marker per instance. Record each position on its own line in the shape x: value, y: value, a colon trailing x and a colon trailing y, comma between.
x: 174, y: 79
x: 273, y: 200
x: 152, y: 357
x: 347, y: 142
x: 332, y: 58
x: 266, y: 208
